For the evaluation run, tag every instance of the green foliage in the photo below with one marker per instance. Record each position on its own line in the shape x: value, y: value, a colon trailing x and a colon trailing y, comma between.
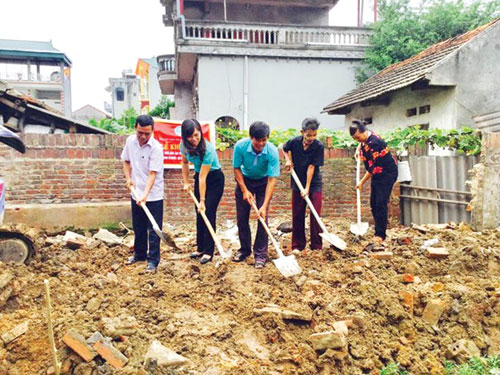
x: 393, y: 369
x: 163, y: 108
x: 464, y: 140
x: 123, y: 125
x: 405, y: 30
x: 475, y: 366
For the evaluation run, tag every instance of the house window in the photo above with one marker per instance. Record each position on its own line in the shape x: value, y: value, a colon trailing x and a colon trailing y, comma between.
x: 120, y: 94
x: 424, y: 109
x: 411, y: 112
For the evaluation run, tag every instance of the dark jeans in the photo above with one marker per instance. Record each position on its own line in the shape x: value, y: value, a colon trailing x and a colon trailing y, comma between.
x: 257, y: 187
x: 213, y: 195
x: 144, y: 233
x: 379, y: 198
x: 299, y: 217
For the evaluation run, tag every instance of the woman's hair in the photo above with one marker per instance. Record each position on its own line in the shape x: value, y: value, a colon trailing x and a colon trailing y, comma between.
x: 357, y: 125
x: 187, y: 129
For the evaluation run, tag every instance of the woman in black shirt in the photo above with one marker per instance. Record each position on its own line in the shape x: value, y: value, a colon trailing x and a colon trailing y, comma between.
x: 381, y: 168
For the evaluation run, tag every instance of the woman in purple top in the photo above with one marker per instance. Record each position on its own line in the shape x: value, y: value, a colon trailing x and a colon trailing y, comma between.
x: 381, y: 168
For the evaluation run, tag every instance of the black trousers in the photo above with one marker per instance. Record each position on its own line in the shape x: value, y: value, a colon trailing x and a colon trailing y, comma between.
x: 213, y: 195
x: 379, y: 199
x: 144, y: 233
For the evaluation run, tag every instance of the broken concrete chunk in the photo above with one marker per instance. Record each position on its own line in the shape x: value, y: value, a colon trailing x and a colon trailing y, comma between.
x: 119, y: 326
x: 342, y: 326
x: 73, y: 236
x: 95, y: 337
x: 110, y: 354
x: 15, y: 332
x: 161, y: 356
x: 5, y: 278
x: 93, y: 305
x: 462, y: 351
x: 433, y: 311
x: 78, y: 344
x: 284, y: 314
x: 5, y: 295
x: 107, y: 237
x: 384, y: 255
x: 327, y: 340
x: 437, y: 252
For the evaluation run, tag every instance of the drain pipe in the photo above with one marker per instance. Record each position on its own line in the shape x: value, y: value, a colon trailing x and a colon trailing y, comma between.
x: 245, y: 94
x: 180, y: 16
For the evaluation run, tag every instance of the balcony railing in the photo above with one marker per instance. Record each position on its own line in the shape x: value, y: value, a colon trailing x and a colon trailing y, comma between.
x: 279, y: 35
x: 166, y: 63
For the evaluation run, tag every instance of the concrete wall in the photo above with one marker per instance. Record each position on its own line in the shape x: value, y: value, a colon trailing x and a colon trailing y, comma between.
x: 281, y: 92
x: 154, y: 87
x: 85, y: 171
x: 443, y: 111
x: 183, y: 102
x: 257, y: 13
x: 476, y: 73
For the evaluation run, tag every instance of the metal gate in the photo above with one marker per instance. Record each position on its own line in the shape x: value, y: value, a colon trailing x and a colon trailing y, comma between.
x: 437, y: 193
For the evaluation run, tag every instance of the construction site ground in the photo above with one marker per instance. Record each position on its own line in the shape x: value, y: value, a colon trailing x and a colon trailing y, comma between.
x: 233, y: 319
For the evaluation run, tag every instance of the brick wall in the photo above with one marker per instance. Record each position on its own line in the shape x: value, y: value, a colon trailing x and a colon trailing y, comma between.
x: 72, y: 168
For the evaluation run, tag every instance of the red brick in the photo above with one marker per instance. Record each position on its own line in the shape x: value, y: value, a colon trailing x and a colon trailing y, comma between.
x: 437, y: 252
x: 110, y: 354
x: 408, y: 278
x: 78, y: 344
x: 384, y: 255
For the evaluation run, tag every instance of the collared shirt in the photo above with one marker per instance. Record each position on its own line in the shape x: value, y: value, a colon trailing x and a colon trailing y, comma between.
x: 302, y: 159
x: 210, y: 158
x: 145, y: 159
x: 255, y: 166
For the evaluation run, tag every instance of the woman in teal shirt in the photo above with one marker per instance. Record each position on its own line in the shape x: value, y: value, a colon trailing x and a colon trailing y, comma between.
x: 208, y: 183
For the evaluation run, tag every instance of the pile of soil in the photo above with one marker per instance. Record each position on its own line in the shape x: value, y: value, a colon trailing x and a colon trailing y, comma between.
x: 212, y: 315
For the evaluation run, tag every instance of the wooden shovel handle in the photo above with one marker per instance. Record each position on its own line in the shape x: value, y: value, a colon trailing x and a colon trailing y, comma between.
x: 263, y: 222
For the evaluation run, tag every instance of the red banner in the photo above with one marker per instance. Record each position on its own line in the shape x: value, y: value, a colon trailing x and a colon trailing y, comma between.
x: 168, y: 133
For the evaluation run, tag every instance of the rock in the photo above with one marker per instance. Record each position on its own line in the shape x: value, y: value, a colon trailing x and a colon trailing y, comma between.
x: 301, y: 280
x: 285, y: 227
x: 330, y: 354
x: 5, y: 295
x: 462, y: 351
x: 107, y: 237
x: 161, y: 356
x: 83, y: 369
x: 5, y: 278
x: 112, y: 277
x: 252, y: 344
x: 342, y: 326
x: 93, y: 244
x: 383, y: 255
x: 433, y: 311
x: 93, y: 305
x: 327, y: 340
x: 66, y: 367
x: 284, y: 314
x: 119, y: 326
x: 15, y: 332
x: 95, y: 337
x: 437, y: 252
x: 51, y: 370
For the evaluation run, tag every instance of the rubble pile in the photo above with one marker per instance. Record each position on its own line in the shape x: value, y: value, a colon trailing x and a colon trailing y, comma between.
x: 432, y: 295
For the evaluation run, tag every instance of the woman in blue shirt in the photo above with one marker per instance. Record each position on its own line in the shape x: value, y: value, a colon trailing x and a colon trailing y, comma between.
x: 208, y: 183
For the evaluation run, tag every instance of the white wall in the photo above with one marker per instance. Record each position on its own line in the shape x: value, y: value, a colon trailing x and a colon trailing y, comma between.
x: 282, y: 92
x: 443, y: 111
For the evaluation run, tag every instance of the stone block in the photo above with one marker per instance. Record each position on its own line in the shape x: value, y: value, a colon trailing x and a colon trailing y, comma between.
x: 161, y: 356
x: 433, y: 311
x: 15, y: 332
x: 327, y: 340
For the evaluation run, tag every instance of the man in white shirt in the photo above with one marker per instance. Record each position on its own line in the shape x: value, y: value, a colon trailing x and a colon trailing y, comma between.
x: 143, y: 166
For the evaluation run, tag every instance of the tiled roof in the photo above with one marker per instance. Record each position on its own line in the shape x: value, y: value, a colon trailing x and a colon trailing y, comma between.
x: 404, y: 73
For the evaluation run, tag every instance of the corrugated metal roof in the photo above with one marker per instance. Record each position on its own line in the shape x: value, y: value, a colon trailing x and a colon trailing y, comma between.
x: 404, y: 73
x: 31, y: 48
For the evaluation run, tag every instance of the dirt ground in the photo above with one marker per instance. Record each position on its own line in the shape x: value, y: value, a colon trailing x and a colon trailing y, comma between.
x: 207, y: 314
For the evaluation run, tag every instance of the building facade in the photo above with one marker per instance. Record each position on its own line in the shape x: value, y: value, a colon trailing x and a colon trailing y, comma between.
x: 38, y: 70
x: 125, y: 93
x: 275, y: 61
x: 149, y: 88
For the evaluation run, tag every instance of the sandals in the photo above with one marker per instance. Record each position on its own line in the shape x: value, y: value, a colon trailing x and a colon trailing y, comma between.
x: 259, y: 264
x: 195, y: 255
x: 205, y: 259
x: 240, y: 256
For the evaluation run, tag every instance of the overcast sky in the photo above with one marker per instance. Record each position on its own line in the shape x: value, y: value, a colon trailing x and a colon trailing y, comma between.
x: 104, y: 37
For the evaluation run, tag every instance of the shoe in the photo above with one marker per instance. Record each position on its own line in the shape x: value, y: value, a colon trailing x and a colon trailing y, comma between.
x: 151, y: 268
x: 259, y: 264
x: 195, y: 255
x: 133, y: 260
x: 205, y: 259
x: 240, y: 256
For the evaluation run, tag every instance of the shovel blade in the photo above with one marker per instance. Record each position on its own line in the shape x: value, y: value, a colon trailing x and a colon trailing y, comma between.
x: 166, y: 238
x: 359, y: 229
x: 224, y: 253
x: 334, y: 240
x: 287, y: 265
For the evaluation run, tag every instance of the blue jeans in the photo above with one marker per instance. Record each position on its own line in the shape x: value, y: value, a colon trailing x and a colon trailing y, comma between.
x: 144, y: 233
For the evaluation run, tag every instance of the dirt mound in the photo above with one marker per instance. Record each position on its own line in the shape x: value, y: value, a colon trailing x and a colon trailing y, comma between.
x: 237, y: 320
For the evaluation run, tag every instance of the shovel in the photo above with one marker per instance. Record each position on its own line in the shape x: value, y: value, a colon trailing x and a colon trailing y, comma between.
x: 359, y: 228
x: 165, y: 237
x: 223, y: 253
x: 287, y: 265
x: 329, y: 237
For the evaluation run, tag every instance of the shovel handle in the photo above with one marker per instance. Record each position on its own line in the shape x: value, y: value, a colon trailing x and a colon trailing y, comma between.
x: 208, y: 224
x: 308, y: 201
x: 358, y: 192
x: 146, y: 209
x: 263, y: 223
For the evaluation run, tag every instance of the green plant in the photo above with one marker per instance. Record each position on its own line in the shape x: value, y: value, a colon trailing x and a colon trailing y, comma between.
x: 163, y: 108
x: 393, y: 369
x: 475, y: 366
